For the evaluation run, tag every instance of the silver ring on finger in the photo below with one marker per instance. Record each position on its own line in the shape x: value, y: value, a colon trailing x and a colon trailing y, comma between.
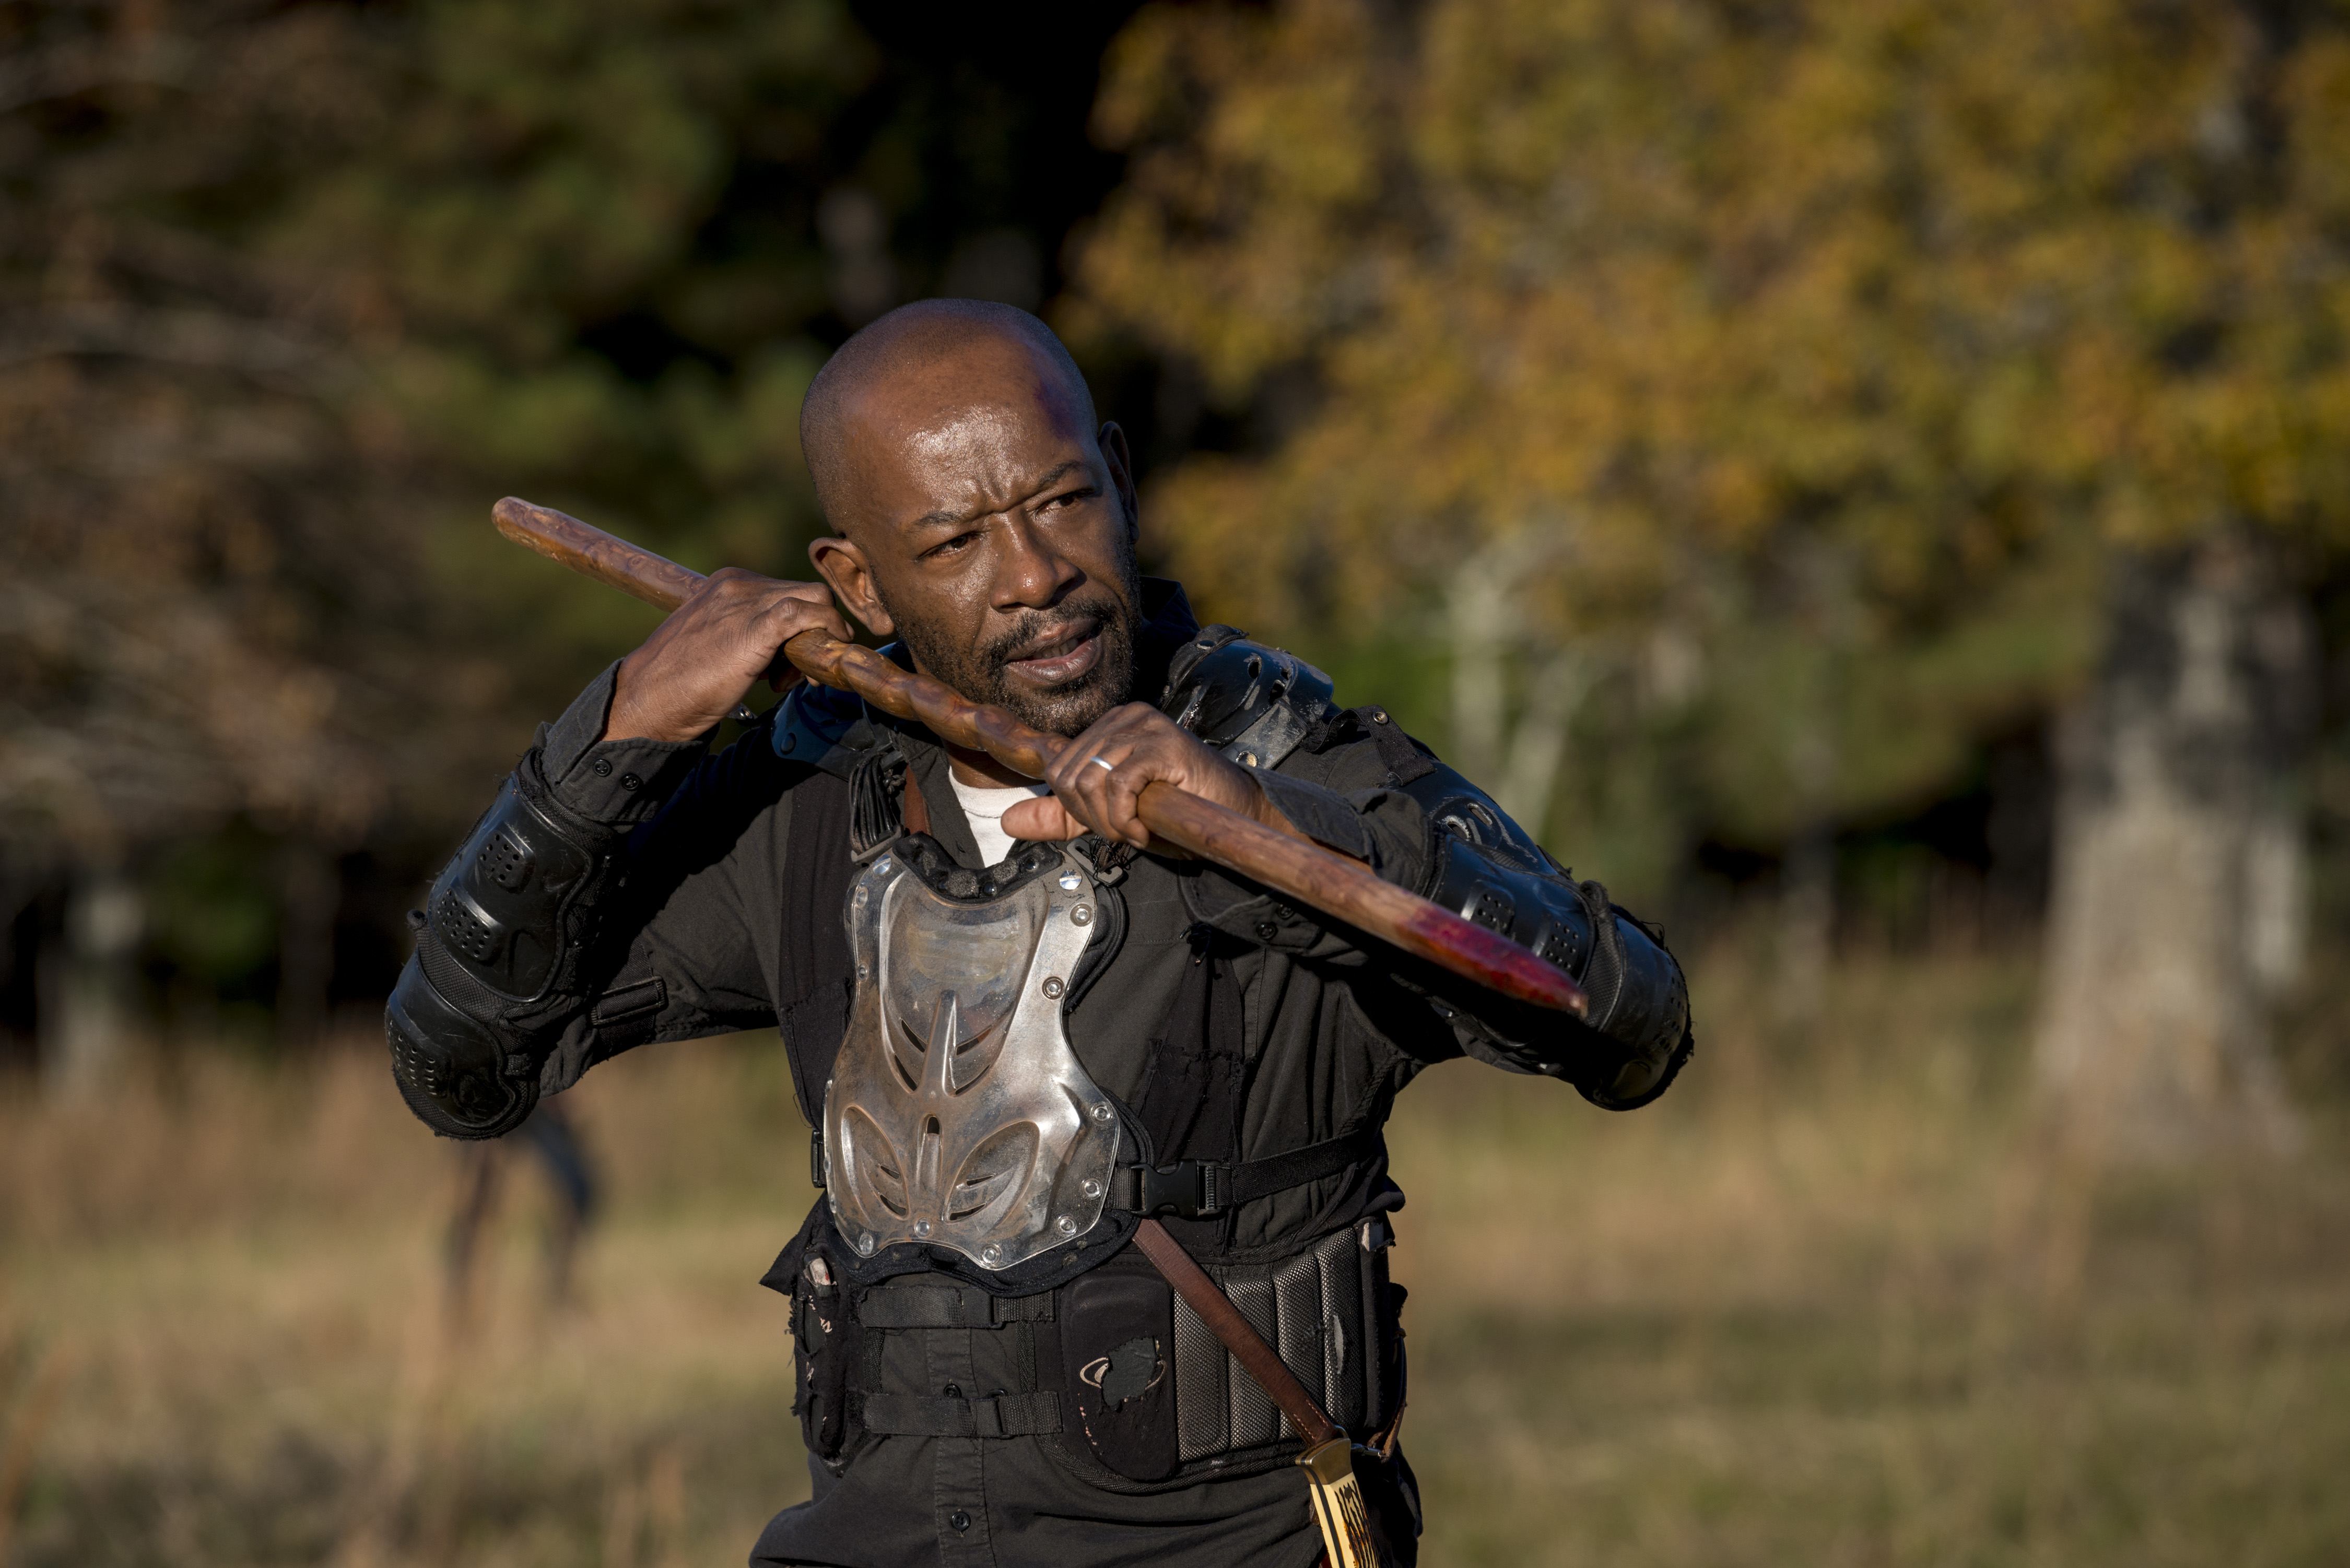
x: 1107, y: 766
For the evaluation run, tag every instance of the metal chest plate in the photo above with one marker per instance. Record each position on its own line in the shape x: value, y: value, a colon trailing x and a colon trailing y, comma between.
x: 957, y: 1115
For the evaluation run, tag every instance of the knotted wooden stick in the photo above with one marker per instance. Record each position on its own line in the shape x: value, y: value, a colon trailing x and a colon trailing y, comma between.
x: 1313, y: 876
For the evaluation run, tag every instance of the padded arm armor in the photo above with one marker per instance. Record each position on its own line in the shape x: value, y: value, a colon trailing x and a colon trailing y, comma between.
x: 1490, y: 872
x: 500, y: 935
x: 1257, y: 704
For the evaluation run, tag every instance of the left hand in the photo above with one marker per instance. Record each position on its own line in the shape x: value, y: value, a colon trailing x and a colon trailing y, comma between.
x: 1137, y: 745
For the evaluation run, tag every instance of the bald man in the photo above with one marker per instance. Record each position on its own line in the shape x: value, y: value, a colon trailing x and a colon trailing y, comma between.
x: 1015, y: 1023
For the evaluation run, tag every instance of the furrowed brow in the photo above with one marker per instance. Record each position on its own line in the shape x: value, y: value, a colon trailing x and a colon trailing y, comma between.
x: 1056, y: 475
x: 947, y: 518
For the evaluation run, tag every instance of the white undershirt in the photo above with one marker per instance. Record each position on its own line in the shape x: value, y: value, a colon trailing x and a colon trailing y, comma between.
x: 984, y: 808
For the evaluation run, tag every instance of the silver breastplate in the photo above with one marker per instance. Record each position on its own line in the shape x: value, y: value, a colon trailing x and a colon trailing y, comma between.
x: 956, y: 1114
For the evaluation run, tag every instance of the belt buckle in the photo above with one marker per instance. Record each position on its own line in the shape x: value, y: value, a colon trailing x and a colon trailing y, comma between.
x: 1184, y: 1190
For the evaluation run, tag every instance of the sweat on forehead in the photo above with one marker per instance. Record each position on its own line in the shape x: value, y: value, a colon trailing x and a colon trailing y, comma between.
x: 908, y: 348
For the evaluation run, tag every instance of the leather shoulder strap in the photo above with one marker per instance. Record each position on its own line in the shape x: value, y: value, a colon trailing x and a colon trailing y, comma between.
x: 1237, y: 1333
x: 817, y: 967
x: 917, y: 812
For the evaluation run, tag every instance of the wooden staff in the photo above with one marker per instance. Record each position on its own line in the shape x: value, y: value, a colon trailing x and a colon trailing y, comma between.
x: 1306, y: 872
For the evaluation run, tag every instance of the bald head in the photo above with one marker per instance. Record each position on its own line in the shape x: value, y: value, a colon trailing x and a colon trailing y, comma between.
x: 978, y: 512
x: 912, y: 366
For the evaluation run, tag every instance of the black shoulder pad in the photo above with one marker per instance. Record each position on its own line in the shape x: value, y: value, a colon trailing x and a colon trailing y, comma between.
x: 1252, y: 702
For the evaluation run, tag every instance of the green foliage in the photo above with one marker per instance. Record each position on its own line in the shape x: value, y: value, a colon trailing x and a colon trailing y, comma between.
x: 585, y: 308
x: 290, y: 294
x: 214, y: 907
x: 1841, y: 336
x: 297, y: 294
x: 542, y: 202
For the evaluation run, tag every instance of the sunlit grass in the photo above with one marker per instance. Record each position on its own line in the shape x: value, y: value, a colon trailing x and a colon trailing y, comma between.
x: 1824, y: 1305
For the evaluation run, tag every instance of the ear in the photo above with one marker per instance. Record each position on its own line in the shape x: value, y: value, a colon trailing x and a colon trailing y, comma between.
x: 841, y: 562
x: 1112, y: 440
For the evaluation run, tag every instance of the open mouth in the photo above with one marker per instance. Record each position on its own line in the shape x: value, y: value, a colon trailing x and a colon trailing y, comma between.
x: 1060, y: 655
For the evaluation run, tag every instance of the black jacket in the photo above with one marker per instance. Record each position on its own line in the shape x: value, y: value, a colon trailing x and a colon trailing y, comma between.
x: 667, y: 893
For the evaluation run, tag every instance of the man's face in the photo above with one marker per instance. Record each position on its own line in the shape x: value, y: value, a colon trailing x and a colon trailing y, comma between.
x: 990, y: 528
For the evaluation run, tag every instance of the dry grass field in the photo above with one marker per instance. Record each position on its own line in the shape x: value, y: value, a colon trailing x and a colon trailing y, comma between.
x: 1820, y: 1306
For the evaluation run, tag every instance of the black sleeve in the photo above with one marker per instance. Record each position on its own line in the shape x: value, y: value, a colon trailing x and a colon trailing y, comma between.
x: 608, y: 897
x: 1372, y: 793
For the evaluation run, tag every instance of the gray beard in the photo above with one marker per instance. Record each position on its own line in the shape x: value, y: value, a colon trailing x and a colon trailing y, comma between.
x: 980, y: 674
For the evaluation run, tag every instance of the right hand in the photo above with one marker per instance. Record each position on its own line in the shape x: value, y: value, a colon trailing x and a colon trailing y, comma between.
x: 695, y: 667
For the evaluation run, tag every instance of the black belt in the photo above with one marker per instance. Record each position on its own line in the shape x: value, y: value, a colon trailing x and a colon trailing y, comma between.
x: 999, y: 1416
x: 1201, y: 1188
x: 948, y: 1306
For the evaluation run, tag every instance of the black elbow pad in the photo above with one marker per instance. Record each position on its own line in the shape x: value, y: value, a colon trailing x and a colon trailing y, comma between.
x: 499, y: 923
x: 453, y: 1071
x: 1639, y: 1000
x: 499, y: 907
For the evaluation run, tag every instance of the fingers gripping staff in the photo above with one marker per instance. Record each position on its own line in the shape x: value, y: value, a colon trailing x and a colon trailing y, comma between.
x: 1338, y: 886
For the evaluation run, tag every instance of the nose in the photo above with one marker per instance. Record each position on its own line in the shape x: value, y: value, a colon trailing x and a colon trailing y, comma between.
x: 1029, y: 573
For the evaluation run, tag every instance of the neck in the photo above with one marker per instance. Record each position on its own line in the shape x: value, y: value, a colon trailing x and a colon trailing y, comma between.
x: 982, y: 771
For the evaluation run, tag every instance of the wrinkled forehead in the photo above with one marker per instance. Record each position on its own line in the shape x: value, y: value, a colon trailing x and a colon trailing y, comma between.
x: 980, y: 399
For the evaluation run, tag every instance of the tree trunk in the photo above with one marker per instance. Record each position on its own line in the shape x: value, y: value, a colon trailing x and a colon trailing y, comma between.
x: 2176, y: 916
x: 87, y: 1007
x: 1819, y: 584
x: 1555, y: 686
x: 1807, y: 914
x: 1483, y: 622
x: 1518, y: 761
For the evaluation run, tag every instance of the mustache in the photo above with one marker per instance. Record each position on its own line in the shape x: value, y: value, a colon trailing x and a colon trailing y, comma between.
x: 1036, y: 626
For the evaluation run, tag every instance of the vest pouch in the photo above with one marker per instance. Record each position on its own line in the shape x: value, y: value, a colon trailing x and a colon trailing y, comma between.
x: 1118, y: 1353
x: 1334, y: 1318
x: 826, y: 1342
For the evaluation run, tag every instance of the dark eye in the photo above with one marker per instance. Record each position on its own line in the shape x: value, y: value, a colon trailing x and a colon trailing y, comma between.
x: 950, y: 546
x: 1070, y: 498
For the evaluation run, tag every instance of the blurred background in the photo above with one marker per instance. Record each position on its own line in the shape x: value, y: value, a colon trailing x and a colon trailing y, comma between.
x: 1866, y: 478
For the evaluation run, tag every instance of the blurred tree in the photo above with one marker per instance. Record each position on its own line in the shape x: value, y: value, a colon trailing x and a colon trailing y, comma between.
x: 289, y: 293
x: 1874, y: 346
x: 579, y: 242
x: 200, y: 610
